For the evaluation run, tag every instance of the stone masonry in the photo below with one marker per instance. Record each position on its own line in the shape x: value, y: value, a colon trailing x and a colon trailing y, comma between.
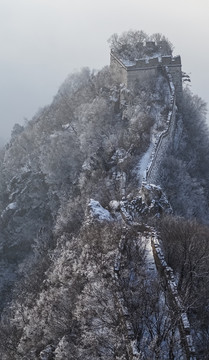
x: 128, y: 72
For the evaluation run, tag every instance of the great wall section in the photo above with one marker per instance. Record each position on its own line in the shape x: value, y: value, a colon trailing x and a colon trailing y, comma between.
x: 157, y: 260
x: 164, y: 138
x: 165, y: 271
x: 171, y: 68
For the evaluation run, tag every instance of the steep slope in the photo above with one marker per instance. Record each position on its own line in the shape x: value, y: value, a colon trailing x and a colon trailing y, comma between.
x: 72, y: 216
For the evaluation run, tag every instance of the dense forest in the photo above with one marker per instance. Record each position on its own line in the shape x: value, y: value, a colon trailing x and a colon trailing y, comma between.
x: 70, y: 192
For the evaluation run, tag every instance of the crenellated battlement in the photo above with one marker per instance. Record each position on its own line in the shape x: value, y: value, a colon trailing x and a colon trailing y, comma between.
x: 146, y: 62
x: 128, y: 72
x: 152, y: 62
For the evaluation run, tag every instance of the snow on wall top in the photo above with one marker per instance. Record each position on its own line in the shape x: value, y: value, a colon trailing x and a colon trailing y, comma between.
x: 148, y: 61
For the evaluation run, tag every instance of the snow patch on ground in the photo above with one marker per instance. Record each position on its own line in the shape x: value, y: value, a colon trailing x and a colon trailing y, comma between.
x: 53, y: 135
x: 114, y: 205
x: 66, y: 126
x: 98, y: 212
x: 143, y: 163
x: 12, y: 206
x: 150, y: 261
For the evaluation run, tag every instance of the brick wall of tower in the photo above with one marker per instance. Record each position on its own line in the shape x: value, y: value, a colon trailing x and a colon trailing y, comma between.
x: 143, y: 68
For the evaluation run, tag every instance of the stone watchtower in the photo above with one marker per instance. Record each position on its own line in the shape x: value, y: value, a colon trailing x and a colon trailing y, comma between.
x: 128, y: 72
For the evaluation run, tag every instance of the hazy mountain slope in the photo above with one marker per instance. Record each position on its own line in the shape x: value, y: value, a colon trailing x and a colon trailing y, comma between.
x: 70, y: 183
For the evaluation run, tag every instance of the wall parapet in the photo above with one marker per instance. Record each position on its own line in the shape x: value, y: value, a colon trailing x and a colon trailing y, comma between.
x: 147, y: 62
x: 175, y: 299
x: 165, y: 271
x: 131, y: 341
x: 170, y: 123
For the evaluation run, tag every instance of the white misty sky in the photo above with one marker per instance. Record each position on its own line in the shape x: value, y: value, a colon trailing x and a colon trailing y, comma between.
x: 42, y: 41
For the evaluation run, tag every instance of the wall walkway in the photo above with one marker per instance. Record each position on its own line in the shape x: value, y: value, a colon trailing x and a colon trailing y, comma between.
x: 166, y: 273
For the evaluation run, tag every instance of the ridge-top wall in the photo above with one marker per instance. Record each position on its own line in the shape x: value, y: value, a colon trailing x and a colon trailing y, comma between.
x: 165, y: 138
x: 128, y: 72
